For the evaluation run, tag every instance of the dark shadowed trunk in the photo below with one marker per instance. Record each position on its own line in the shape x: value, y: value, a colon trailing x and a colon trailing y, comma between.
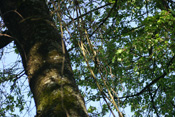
x: 44, y: 57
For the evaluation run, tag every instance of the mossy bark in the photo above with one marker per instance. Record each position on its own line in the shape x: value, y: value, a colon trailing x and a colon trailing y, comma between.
x: 45, y: 62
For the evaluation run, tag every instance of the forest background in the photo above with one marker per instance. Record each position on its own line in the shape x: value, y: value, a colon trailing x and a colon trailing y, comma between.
x: 121, y: 52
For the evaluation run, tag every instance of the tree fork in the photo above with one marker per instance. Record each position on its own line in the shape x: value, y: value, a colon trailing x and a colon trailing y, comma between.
x: 40, y: 46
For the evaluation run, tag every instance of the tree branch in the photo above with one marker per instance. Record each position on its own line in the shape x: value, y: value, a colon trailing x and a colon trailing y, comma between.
x: 87, y: 13
x: 115, y: 4
x: 5, y: 39
x: 152, y: 101
x: 153, y: 82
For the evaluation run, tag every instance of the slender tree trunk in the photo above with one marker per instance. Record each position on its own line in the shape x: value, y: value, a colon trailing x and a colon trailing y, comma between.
x: 44, y: 57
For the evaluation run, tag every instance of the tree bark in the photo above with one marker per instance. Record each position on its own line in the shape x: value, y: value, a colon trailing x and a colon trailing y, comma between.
x: 44, y: 58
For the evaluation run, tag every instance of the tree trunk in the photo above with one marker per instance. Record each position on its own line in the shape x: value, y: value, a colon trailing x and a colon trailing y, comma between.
x: 44, y: 57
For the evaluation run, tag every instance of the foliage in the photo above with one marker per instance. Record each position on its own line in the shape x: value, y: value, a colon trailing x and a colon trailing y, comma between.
x: 122, y: 52
x: 15, y: 95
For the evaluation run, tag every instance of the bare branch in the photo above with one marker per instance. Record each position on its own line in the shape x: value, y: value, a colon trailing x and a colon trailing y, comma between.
x: 5, y: 39
x: 88, y: 13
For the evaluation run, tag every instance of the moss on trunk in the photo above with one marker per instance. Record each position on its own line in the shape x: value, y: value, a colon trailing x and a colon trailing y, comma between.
x: 40, y: 45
